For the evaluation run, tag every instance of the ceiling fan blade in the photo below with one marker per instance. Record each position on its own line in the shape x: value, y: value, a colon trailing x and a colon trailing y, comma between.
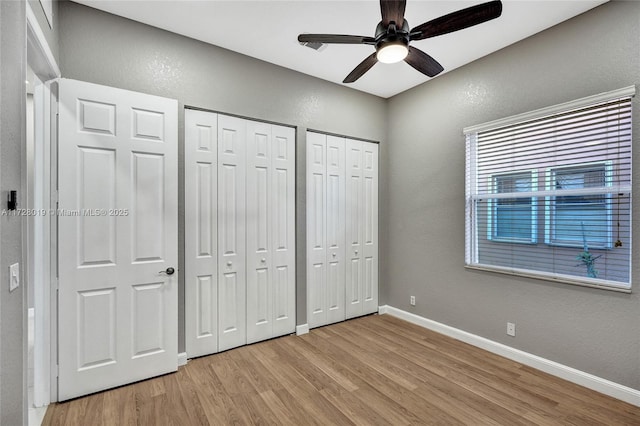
x: 393, y: 10
x: 363, y: 67
x: 423, y: 62
x: 459, y: 20
x: 335, y: 39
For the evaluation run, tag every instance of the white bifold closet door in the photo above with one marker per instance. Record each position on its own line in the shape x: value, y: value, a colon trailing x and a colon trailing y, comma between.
x: 342, y: 228
x: 240, y: 231
x: 270, y: 228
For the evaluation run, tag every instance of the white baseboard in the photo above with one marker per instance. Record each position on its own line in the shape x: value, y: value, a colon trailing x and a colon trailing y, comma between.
x: 598, y: 384
x: 302, y: 329
x: 182, y: 359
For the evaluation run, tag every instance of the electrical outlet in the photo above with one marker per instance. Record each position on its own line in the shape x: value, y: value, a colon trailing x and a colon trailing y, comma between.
x: 14, y: 276
x: 412, y: 300
x: 511, y: 329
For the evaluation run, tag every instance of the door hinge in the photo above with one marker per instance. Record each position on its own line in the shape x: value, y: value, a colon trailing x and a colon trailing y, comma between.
x: 57, y: 370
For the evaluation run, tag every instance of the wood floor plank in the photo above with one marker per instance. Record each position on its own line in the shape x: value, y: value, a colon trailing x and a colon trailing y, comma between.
x: 375, y: 370
x: 290, y: 406
x: 120, y: 407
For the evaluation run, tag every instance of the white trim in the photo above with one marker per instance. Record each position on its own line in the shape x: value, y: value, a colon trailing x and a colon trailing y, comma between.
x: 554, y: 277
x: 302, y: 329
x: 542, y: 112
x: 39, y: 253
x: 51, y: 292
x: 182, y: 359
x: 598, y: 384
x: 625, y: 189
x: 36, y: 36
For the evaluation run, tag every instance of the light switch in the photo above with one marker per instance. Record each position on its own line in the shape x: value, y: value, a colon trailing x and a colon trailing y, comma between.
x: 14, y: 276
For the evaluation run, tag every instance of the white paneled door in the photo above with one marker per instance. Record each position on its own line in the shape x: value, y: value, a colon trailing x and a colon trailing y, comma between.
x: 117, y: 237
x: 283, y: 223
x: 362, y: 228
x: 232, y: 284
x: 342, y: 228
x: 316, y: 229
x: 201, y: 227
x: 335, y: 223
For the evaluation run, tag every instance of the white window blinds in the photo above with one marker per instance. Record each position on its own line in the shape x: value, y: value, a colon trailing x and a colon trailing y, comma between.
x: 549, y: 193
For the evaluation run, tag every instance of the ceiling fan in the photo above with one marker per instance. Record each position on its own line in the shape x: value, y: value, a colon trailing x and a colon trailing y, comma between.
x: 393, y: 36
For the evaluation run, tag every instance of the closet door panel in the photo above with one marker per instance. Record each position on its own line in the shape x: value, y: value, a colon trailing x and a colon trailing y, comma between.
x: 369, y: 224
x: 259, y: 232
x: 231, y: 233
x: 354, y: 230
x: 335, y: 225
x: 316, y: 231
x: 283, y: 226
x: 201, y: 251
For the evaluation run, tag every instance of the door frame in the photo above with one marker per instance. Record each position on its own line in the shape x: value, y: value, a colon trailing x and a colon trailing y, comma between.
x: 40, y: 58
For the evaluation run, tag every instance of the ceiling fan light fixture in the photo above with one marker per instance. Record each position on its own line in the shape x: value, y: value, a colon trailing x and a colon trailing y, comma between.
x: 391, y: 53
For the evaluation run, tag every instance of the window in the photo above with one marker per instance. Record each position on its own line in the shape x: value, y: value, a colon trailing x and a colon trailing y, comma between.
x: 579, y: 220
x: 563, y: 173
x: 513, y: 219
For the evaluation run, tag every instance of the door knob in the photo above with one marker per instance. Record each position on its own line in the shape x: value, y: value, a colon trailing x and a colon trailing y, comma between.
x: 333, y: 254
x: 356, y: 251
x: 263, y: 260
x: 229, y: 263
x: 168, y: 271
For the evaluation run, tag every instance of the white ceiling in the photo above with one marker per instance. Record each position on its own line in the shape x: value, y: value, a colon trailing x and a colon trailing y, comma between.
x: 268, y: 30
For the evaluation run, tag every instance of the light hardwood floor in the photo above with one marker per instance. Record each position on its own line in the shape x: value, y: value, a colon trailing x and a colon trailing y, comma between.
x: 371, y: 370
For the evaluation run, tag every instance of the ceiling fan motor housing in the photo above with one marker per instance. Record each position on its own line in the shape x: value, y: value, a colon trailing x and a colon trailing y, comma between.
x: 391, y: 35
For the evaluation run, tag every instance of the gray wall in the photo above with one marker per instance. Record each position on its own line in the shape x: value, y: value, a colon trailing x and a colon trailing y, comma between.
x: 106, y: 49
x: 12, y: 134
x: 592, y: 330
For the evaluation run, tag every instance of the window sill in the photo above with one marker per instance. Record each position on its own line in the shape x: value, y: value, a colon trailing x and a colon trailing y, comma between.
x: 558, y: 278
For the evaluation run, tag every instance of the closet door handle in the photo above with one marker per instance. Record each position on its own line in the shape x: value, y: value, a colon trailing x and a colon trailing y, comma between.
x: 168, y: 271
